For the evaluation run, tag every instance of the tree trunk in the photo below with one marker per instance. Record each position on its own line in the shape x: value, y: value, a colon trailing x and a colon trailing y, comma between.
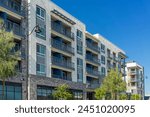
x: 3, y: 89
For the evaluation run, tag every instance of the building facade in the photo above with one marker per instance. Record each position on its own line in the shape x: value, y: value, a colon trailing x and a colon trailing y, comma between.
x: 61, y: 53
x: 101, y: 56
x: 135, y: 78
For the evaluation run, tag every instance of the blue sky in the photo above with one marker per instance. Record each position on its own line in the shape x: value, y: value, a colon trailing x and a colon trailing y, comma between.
x: 126, y: 23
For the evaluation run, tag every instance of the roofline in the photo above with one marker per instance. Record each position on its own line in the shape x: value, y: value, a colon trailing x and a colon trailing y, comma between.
x: 77, y: 20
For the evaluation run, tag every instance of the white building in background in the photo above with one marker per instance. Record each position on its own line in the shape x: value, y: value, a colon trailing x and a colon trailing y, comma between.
x: 135, y: 78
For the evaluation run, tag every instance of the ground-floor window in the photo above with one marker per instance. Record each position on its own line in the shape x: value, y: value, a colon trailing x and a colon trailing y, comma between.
x: 44, y: 93
x: 78, y: 95
x: 90, y: 96
x: 12, y: 91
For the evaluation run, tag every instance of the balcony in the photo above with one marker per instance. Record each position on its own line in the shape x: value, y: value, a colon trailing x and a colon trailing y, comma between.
x: 93, y: 47
x: 62, y: 63
x: 93, y: 60
x: 93, y: 85
x: 93, y: 72
x: 109, y: 56
x: 14, y: 27
x: 115, y: 59
x: 12, y: 6
x: 62, y: 47
x: 109, y: 66
x: 123, y: 64
x: 17, y: 52
x: 62, y: 30
x: 133, y: 80
x: 61, y: 77
x: 133, y: 73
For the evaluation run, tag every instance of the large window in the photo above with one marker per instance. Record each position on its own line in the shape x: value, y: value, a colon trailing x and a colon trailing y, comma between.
x: 41, y: 60
x: 103, y: 71
x: 41, y: 21
x: 13, y: 91
x: 79, y: 70
x: 79, y: 34
x: 40, y: 12
x: 103, y: 59
x: 44, y: 93
x: 79, y: 42
x: 78, y: 95
x: 103, y: 48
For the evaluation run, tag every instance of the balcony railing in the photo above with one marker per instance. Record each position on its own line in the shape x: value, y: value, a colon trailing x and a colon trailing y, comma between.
x: 61, y: 77
x: 62, y: 30
x: 133, y: 79
x: 93, y: 85
x: 63, y: 47
x: 93, y: 72
x: 109, y: 66
x: 93, y: 60
x: 62, y: 63
x: 115, y: 59
x: 133, y: 73
x: 110, y: 56
x: 14, y: 27
x: 13, y: 6
x: 93, y: 47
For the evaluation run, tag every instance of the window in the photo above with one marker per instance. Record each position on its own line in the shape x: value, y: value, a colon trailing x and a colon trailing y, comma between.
x: 44, y: 93
x: 103, y: 71
x: 41, y: 21
x: 103, y: 48
x: 79, y: 47
x: 79, y: 50
x: 13, y: 91
x: 40, y: 12
x: 79, y: 34
x: 78, y: 95
x: 79, y: 70
x: 103, y: 59
x: 79, y: 42
x: 41, y: 49
x: 41, y: 60
x: 42, y: 32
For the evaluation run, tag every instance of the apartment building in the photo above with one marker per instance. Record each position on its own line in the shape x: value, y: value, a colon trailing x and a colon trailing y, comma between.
x: 93, y: 65
x: 62, y: 52
x: 12, y: 12
x: 101, y: 56
x: 111, y: 56
x: 135, y: 78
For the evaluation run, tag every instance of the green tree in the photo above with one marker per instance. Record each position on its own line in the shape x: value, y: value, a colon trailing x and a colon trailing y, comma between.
x: 112, y: 86
x: 135, y: 97
x: 62, y: 93
x: 123, y: 97
x: 100, y: 93
x: 8, y: 58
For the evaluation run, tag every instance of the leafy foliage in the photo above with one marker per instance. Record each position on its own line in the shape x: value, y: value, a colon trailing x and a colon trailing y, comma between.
x: 135, y: 97
x: 62, y: 93
x: 100, y: 93
x: 123, y: 97
x: 112, y: 86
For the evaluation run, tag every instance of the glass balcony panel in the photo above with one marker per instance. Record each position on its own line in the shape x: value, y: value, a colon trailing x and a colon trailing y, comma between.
x: 60, y: 29
x: 13, y: 6
x: 63, y: 47
x: 62, y: 63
